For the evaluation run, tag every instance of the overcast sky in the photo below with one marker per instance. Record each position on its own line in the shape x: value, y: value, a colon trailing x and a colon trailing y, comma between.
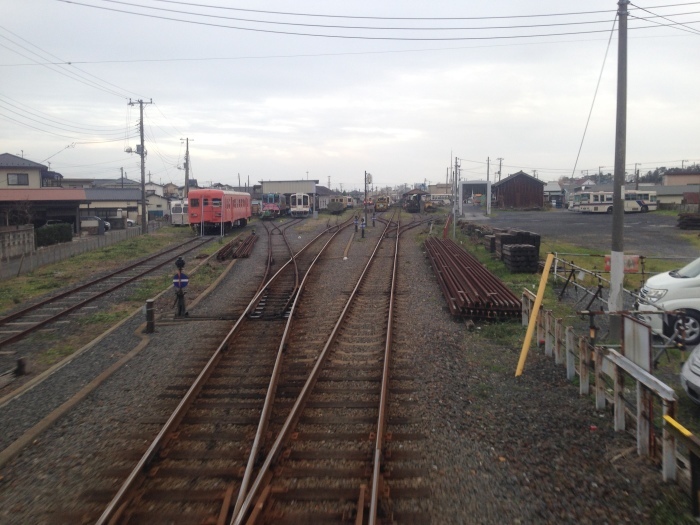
x: 282, y: 90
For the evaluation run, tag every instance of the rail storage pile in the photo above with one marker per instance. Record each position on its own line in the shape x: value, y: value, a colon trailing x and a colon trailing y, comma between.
x: 471, y: 291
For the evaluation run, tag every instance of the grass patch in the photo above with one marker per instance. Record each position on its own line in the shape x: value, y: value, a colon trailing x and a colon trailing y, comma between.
x: 102, y: 318
x: 71, y: 271
x: 56, y: 353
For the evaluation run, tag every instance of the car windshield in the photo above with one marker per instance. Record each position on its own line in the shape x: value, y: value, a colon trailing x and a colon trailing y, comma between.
x: 690, y: 270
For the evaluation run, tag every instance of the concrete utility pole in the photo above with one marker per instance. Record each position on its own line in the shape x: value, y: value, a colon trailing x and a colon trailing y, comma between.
x: 488, y: 186
x: 141, y: 150
x: 187, y: 168
x: 617, y: 255
x: 500, y: 165
x: 636, y: 176
x: 368, y: 179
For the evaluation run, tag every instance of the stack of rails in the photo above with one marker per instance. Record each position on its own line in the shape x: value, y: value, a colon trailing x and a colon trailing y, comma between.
x: 246, y: 247
x: 521, y: 258
x: 236, y: 249
x: 470, y: 289
x: 689, y: 221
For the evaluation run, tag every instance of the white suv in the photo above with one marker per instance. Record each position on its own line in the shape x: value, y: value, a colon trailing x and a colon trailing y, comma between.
x: 677, y: 290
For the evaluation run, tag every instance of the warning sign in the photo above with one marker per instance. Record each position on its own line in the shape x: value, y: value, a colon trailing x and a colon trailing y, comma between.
x: 631, y: 263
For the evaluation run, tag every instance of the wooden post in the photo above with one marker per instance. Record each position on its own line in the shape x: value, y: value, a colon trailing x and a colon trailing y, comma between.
x: 599, y: 380
x: 669, y: 444
x: 548, y: 333
x: 619, y: 399
x: 570, y: 349
x: 643, y: 420
x: 558, y: 357
x: 584, y: 357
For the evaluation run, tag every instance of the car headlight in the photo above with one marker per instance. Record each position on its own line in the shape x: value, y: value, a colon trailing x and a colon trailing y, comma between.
x: 652, y: 295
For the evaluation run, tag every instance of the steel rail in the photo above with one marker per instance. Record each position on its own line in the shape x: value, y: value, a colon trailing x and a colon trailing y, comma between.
x: 51, y: 319
x: 276, y: 449
x: 272, y: 387
x: 384, y: 395
x: 28, y: 309
x: 118, y: 503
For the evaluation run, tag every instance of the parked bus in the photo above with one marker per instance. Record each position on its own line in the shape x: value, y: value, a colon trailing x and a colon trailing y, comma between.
x: 179, y: 213
x: 602, y: 201
x: 441, y: 199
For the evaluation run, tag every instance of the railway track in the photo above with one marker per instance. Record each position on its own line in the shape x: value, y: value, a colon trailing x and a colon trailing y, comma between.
x: 333, y: 455
x: 191, y: 471
x: 18, y: 325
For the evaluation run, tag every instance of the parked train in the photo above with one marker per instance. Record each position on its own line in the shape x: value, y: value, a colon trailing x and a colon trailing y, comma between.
x: 273, y: 205
x: 382, y: 204
x: 214, y: 211
x: 179, y: 213
x: 337, y: 204
x: 300, y: 205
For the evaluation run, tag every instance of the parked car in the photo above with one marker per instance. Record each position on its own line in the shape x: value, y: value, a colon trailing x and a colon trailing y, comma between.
x: 98, y: 219
x: 690, y: 375
x: 130, y: 222
x: 51, y: 222
x: 674, y: 291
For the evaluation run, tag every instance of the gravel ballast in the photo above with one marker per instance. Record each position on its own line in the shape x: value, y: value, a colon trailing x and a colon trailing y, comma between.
x: 501, y: 449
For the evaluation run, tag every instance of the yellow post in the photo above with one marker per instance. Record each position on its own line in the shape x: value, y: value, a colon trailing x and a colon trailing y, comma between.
x: 533, y: 316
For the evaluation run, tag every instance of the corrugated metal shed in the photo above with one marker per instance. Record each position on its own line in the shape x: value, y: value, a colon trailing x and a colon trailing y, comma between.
x: 289, y: 186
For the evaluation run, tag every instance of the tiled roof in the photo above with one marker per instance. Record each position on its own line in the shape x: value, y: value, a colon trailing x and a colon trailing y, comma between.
x: 7, y: 160
x: 43, y: 194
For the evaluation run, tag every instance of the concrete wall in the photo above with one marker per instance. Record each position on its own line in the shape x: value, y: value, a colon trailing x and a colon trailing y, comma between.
x: 16, y: 241
x: 30, y: 261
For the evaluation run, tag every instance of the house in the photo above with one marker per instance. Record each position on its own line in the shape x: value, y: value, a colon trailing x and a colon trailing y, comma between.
x: 519, y: 191
x: 554, y: 194
x: 681, y: 178
x: 20, y: 173
x: 323, y: 197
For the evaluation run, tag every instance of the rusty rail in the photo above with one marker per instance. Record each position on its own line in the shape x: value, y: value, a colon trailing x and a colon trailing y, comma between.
x: 470, y: 289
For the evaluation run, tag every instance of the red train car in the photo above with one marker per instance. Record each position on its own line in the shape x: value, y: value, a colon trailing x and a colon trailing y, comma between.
x: 214, y: 211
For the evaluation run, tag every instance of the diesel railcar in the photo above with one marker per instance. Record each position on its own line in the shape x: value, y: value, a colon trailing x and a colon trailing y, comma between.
x: 217, y: 211
x: 179, y: 213
x: 382, y: 203
x: 300, y: 204
x: 273, y: 205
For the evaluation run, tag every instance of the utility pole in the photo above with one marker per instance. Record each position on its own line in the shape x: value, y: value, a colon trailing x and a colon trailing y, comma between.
x: 636, y: 176
x: 500, y: 164
x: 187, y: 168
x: 617, y: 255
x: 488, y: 186
x: 368, y: 179
x: 141, y: 150
x: 683, y: 164
x: 122, y: 177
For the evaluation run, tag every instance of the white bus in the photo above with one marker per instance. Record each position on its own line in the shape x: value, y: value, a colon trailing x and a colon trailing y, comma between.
x: 179, y: 213
x: 602, y: 201
x: 441, y: 199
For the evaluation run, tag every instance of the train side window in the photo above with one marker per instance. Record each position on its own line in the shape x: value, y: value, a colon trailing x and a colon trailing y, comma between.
x: 216, y: 203
x: 206, y: 201
x: 194, y: 202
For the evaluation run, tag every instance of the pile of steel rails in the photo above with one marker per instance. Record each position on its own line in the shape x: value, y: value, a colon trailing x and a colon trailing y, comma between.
x: 470, y: 289
x: 243, y: 249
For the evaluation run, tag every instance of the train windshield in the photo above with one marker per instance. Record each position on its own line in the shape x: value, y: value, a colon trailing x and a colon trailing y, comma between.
x: 177, y: 209
x: 185, y: 209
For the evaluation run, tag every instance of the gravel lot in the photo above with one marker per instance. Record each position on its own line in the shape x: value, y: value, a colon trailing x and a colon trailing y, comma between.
x: 502, y: 449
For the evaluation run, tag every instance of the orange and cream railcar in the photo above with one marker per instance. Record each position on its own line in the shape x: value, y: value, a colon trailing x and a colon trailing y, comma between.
x: 214, y: 211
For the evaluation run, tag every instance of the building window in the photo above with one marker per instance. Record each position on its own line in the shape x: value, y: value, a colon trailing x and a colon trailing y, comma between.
x: 18, y: 179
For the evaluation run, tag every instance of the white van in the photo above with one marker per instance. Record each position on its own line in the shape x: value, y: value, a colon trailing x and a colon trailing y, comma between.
x: 677, y: 290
